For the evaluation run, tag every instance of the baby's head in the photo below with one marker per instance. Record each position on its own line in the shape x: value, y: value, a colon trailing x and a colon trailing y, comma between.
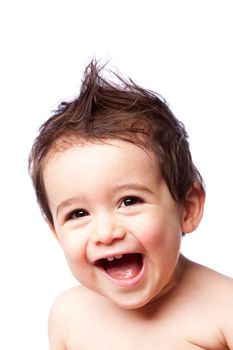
x: 115, y: 180
x: 121, y: 110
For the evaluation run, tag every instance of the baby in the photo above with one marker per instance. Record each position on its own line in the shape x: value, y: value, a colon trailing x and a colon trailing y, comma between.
x: 117, y: 186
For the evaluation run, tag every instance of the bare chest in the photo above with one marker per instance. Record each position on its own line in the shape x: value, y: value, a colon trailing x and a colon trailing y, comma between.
x: 126, y: 339
x: 148, y: 344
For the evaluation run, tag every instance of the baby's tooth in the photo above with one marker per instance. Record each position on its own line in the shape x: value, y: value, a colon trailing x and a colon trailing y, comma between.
x: 110, y: 258
x: 118, y: 256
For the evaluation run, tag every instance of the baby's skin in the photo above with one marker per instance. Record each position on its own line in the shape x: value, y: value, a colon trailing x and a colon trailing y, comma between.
x: 121, y: 231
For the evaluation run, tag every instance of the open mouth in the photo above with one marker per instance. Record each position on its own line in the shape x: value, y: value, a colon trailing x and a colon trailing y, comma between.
x: 122, y: 267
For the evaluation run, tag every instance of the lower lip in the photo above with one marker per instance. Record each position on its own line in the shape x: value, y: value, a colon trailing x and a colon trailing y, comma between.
x: 131, y: 281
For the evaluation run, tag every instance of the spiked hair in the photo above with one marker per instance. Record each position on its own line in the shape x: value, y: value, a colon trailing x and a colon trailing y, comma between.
x: 122, y: 110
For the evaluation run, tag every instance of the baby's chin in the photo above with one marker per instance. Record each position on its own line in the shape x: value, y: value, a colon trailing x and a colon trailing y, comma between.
x: 131, y: 301
x: 141, y: 299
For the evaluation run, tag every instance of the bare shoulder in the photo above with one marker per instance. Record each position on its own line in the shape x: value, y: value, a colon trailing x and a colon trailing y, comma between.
x: 220, y: 285
x: 70, y: 308
x: 221, y: 294
x: 63, y: 303
x: 73, y: 302
x: 213, y: 294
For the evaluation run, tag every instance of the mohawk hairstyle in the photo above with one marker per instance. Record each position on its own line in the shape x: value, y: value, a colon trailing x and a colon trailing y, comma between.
x: 116, y: 110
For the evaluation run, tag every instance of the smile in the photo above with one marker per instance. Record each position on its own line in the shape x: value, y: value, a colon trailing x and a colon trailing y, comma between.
x: 124, y: 269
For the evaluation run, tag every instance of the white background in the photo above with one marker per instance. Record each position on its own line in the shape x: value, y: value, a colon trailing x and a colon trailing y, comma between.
x: 181, y: 49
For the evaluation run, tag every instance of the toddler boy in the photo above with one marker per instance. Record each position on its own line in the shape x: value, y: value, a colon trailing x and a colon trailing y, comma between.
x: 116, y: 183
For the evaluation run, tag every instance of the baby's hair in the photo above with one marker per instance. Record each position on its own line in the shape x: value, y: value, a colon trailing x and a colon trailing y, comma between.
x: 118, y: 109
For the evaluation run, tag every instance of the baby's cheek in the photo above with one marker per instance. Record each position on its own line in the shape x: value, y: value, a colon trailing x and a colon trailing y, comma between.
x: 149, y: 230
x: 73, y: 247
x: 154, y: 236
x: 75, y: 254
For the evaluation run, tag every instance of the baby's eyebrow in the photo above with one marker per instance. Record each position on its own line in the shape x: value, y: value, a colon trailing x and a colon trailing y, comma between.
x: 66, y: 203
x: 131, y: 186
x: 117, y: 188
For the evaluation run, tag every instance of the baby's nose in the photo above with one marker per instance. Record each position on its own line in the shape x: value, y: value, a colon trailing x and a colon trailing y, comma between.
x: 106, y: 231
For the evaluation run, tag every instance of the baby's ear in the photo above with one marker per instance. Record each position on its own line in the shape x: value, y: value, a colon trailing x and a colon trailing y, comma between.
x: 193, y: 207
x: 52, y: 228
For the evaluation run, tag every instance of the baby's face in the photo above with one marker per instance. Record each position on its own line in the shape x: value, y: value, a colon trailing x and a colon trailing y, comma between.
x: 116, y: 220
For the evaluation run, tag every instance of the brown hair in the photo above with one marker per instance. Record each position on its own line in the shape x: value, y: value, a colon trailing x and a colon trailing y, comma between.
x: 117, y: 110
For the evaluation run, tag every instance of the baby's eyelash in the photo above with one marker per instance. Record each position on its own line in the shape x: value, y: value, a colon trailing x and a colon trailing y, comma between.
x: 130, y: 200
x: 77, y: 214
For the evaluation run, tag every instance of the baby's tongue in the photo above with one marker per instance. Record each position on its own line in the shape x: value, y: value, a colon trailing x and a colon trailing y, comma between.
x: 127, y: 267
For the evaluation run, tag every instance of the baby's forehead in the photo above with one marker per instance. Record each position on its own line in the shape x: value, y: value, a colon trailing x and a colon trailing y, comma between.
x: 114, y: 160
x: 99, y: 169
x: 116, y: 147
x: 67, y: 142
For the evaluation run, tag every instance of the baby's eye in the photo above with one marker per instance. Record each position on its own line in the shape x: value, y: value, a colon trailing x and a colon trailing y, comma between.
x: 77, y: 214
x: 131, y: 200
